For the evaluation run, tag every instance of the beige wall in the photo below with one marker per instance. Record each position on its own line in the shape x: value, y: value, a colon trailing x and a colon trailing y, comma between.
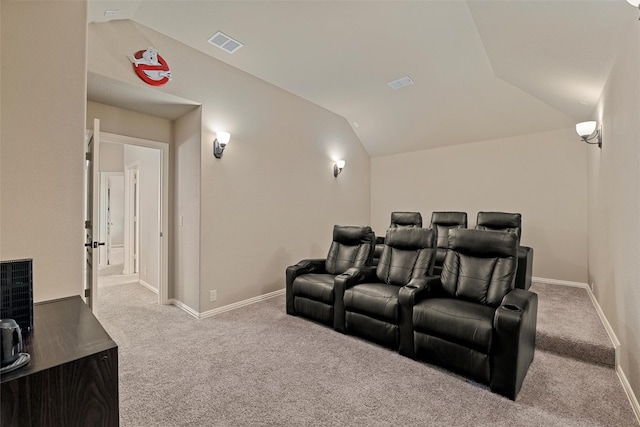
x: 542, y: 176
x: 614, y: 206
x: 111, y: 157
x: 43, y: 125
x: 272, y: 200
x: 185, y: 206
x: 121, y: 121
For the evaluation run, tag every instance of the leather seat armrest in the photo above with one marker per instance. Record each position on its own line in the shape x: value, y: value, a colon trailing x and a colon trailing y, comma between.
x: 408, y: 296
x: 518, y: 300
x: 305, y: 266
x: 417, y: 289
x: 515, y: 339
x: 341, y: 283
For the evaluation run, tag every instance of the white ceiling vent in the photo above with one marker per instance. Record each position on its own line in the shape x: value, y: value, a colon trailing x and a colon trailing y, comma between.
x: 225, y: 42
x: 401, y: 82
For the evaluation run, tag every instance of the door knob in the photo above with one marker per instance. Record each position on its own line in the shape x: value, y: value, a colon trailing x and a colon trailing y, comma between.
x: 96, y: 244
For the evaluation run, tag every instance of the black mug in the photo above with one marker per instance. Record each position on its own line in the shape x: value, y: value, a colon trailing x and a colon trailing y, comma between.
x: 11, y: 341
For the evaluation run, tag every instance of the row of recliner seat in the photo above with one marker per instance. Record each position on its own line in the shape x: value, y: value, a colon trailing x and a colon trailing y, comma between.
x: 442, y: 222
x: 469, y: 318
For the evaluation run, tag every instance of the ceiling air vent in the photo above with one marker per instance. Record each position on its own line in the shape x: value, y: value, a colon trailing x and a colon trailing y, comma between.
x: 225, y: 42
x: 401, y: 82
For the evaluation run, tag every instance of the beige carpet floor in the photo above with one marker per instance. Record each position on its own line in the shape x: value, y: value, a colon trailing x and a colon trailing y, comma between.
x: 257, y: 366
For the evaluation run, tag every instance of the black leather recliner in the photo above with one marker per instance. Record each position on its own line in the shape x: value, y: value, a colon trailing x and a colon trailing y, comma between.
x: 367, y: 299
x: 471, y: 320
x: 512, y: 222
x: 310, y: 283
x: 441, y: 223
x: 398, y: 220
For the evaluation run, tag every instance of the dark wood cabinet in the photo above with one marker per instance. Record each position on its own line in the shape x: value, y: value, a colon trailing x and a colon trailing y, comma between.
x: 72, y: 378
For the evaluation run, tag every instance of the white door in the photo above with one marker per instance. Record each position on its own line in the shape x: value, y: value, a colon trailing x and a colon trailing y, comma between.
x: 92, y: 216
x: 131, y: 223
x: 111, y: 213
x: 115, y: 222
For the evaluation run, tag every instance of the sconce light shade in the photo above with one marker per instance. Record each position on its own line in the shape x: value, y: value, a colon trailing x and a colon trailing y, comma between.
x: 220, y: 143
x: 585, y: 129
x: 588, y: 131
x: 337, y: 167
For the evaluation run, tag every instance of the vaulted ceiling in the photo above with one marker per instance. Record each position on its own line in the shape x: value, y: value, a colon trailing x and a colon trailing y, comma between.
x: 481, y: 69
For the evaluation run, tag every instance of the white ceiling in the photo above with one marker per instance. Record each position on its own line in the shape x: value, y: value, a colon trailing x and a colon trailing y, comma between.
x: 482, y: 69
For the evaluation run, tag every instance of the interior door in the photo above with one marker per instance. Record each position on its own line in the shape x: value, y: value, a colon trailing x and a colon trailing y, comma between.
x: 109, y: 222
x: 92, y: 211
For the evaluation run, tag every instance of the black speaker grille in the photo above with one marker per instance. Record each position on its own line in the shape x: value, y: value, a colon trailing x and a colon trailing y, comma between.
x: 17, y: 292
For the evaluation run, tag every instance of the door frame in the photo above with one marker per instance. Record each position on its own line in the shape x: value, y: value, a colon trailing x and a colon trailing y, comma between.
x: 163, y: 214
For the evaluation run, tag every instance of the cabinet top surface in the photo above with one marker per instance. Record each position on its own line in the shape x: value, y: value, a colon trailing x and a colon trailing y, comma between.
x: 64, y: 330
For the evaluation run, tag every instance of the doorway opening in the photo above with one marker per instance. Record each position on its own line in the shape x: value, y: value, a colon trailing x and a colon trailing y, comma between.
x: 133, y: 204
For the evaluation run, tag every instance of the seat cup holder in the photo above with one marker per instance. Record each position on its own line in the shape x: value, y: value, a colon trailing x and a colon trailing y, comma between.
x: 511, y: 307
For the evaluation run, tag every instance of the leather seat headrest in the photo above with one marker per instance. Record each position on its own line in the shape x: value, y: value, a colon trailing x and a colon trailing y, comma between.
x: 410, y: 238
x: 449, y: 218
x: 406, y: 219
x: 483, y: 243
x: 498, y: 220
x: 353, y: 234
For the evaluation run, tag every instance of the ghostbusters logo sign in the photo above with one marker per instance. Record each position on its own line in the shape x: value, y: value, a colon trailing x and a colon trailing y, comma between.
x: 150, y: 67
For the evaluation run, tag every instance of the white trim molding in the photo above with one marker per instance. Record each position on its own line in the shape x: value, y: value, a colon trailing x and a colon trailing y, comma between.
x: 559, y: 282
x: 148, y: 286
x: 225, y: 308
x: 184, y: 307
x: 239, y: 304
x: 635, y: 405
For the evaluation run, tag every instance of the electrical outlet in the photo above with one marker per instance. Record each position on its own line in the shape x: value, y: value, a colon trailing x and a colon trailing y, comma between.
x: 213, y: 295
x: 592, y: 285
x: 145, y: 271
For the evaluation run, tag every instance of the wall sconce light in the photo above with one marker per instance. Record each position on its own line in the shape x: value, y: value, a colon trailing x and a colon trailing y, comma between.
x: 589, y: 131
x: 337, y: 167
x: 219, y: 144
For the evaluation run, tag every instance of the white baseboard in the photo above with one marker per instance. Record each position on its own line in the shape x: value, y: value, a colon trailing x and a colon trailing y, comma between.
x: 239, y: 304
x: 148, y: 286
x: 225, y: 308
x: 559, y: 282
x: 635, y: 405
x: 184, y: 307
x: 627, y: 388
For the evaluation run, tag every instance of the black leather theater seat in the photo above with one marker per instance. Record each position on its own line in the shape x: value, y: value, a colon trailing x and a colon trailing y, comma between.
x: 310, y: 283
x: 511, y: 222
x: 367, y: 300
x: 471, y: 319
